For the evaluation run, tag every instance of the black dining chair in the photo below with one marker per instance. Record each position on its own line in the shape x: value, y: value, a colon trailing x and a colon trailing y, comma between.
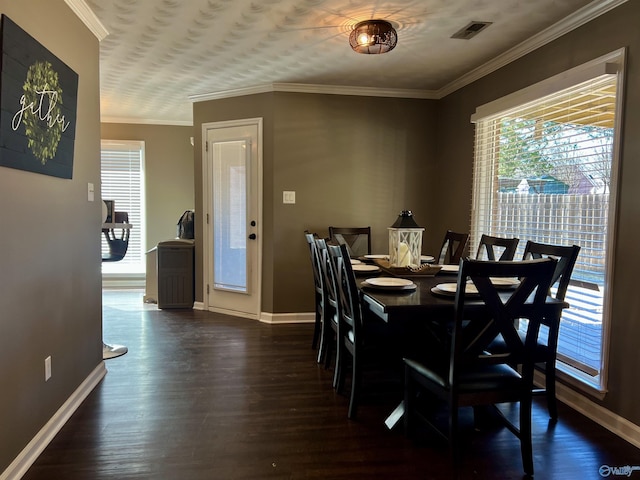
x: 453, y: 248
x: 547, y: 344
x: 317, y: 287
x: 118, y: 243
x: 496, y: 248
x: 357, y: 239
x: 470, y: 376
x: 365, y: 343
x: 329, y: 329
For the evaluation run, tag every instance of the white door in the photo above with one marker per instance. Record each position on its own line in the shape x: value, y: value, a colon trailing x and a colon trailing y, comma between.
x: 232, y: 195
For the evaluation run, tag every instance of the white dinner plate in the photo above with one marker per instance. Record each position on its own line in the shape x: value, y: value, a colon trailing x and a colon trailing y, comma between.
x: 427, y: 258
x: 450, y: 268
x: 451, y: 288
x: 355, y: 262
x: 373, y: 257
x: 389, y: 283
x: 361, y: 267
x: 503, y: 282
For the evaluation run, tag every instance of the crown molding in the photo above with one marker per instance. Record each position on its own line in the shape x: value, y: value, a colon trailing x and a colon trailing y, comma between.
x: 84, y: 13
x: 147, y: 121
x: 569, y: 23
x: 317, y: 89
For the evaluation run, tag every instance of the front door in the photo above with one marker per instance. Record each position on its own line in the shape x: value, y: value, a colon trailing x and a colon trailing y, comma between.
x: 232, y: 169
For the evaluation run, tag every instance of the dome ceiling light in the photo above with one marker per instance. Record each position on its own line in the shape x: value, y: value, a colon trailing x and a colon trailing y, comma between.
x: 373, y: 36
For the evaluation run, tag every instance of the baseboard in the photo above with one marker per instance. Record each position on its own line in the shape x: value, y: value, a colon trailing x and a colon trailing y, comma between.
x: 606, y: 418
x: 36, y: 446
x: 281, y: 318
x: 603, y: 417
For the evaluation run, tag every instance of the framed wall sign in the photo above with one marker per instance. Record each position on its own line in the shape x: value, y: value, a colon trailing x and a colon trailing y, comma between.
x: 38, y: 99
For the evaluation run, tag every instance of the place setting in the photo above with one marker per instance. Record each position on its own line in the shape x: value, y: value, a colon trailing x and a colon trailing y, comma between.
x: 392, y: 284
x: 449, y: 289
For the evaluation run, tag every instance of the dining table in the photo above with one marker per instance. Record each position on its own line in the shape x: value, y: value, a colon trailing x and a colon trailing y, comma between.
x: 426, y: 308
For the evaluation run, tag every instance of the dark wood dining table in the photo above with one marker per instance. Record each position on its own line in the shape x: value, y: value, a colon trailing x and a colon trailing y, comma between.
x: 414, y: 309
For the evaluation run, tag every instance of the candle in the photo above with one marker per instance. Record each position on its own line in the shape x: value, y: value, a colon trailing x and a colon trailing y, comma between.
x: 404, y: 255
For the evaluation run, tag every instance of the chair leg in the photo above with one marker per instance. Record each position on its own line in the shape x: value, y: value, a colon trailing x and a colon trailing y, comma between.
x: 338, y: 374
x: 356, y: 375
x: 409, y: 393
x: 317, y: 326
x: 550, y: 386
x: 526, y: 446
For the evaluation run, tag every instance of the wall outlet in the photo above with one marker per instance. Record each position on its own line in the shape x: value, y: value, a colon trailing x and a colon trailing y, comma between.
x: 47, y: 368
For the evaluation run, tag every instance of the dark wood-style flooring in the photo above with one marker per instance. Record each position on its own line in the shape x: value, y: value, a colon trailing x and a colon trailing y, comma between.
x: 207, y: 396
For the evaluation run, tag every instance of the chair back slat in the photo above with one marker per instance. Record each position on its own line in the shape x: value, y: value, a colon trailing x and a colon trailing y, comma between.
x: 472, y: 334
x: 496, y: 248
x: 453, y: 248
x: 357, y: 239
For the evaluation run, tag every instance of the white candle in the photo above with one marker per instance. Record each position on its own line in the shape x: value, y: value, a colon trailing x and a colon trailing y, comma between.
x: 404, y: 255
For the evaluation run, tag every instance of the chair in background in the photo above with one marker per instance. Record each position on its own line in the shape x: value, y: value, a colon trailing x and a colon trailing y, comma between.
x: 357, y: 339
x: 118, y: 243
x: 497, y: 248
x: 472, y: 377
x: 317, y: 286
x: 547, y: 345
x: 329, y: 332
x: 453, y: 247
x: 357, y: 239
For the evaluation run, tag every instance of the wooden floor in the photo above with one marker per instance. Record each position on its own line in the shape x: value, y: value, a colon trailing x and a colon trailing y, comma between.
x: 206, y: 396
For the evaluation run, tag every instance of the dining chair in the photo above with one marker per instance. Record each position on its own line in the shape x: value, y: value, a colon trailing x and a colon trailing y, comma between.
x: 547, y: 345
x: 497, y: 248
x: 357, y: 239
x: 118, y: 243
x: 357, y: 339
x: 329, y: 330
x: 317, y: 286
x: 453, y: 248
x: 469, y: 376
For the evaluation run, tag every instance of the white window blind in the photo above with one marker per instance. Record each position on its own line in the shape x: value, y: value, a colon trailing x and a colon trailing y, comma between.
x: 122, y: 177
x: 544, y: 171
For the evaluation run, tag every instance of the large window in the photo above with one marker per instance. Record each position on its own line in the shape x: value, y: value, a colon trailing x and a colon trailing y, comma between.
x: 122, y: 176
x: 544, y: 170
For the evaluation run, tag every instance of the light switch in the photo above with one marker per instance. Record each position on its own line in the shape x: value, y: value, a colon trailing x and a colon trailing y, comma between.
x: 90, y: 192
x: 288, y: 197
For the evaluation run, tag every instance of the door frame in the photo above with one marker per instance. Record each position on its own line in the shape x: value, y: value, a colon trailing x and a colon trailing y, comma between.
x: 207, y: 215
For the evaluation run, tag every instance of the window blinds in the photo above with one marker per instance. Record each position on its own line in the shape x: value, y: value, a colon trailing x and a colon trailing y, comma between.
x: 543, y: 172
x: 122, y: 167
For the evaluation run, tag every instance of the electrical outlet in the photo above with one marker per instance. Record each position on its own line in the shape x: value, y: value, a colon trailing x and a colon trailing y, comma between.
x: 47, y: 368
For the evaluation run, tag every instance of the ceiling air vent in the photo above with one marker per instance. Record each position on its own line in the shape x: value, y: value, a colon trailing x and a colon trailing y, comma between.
x: 471, y: 30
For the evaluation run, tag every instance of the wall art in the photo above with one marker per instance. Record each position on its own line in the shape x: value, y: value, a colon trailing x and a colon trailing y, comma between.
x: 38, y: 99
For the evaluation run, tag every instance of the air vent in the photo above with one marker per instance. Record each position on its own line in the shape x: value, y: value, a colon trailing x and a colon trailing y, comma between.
x: 471, y: 30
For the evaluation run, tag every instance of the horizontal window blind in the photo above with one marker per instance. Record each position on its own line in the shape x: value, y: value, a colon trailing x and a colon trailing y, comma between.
x: 543, y: 172
x: 122, y: 176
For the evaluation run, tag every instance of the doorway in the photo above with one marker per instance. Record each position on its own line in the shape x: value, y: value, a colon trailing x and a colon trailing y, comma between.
x: 232, y: 176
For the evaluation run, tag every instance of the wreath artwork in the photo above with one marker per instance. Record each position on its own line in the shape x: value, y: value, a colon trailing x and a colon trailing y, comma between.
x: 38, y: 95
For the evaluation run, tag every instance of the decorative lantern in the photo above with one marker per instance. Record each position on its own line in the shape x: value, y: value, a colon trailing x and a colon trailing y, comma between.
x: 405, y: 241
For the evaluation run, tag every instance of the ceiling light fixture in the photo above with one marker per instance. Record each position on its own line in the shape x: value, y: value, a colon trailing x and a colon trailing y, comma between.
x: 373, y: 36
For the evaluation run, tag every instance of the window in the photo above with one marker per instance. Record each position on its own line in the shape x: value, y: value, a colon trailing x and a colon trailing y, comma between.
x: 544, y: 170
x: 122, y: 175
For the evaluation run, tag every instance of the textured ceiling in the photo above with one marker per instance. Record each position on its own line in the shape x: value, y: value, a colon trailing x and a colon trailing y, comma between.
x: 159, y: 53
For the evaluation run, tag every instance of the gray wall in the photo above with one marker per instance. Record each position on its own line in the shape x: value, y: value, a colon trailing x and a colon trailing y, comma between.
x: 168, y: 174
x: 352, y: 161
x: 50, y: 285
x: 618, y: 28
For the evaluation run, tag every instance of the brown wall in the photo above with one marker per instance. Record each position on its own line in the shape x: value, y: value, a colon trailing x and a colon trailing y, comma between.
x: 168, y: 174
x: 612, y: 31
x: 50, y: 285
x: 352, y: 161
